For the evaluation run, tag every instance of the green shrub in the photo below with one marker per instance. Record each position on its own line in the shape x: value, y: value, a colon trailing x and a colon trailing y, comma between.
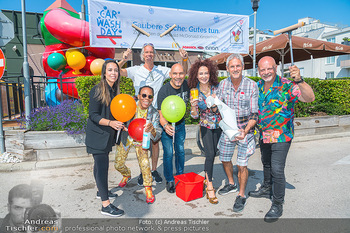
x: 331, y: 96
x: 84, y: 84
x: 126, y: 86
x: 256, y: 79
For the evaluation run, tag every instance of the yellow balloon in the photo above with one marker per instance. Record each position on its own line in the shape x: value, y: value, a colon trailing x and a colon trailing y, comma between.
x: 96, y: 66
x: 76, y: 60
x: 69, y: 51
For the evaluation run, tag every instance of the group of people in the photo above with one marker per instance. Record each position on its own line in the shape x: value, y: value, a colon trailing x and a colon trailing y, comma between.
x: 103, y: 131
x: 268, y: 104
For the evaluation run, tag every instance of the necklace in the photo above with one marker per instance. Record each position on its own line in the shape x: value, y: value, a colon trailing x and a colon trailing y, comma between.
x: 206, y: 90
x: 141, y: 113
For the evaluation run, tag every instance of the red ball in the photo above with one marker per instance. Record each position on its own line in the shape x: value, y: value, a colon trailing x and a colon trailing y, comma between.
x: 135, y: 129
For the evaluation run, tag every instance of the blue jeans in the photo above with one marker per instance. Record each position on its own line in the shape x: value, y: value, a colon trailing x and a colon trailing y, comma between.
x: 167, y: 142
x: 273, y: 158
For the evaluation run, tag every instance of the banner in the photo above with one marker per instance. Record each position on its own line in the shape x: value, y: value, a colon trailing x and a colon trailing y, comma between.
x: 111, y: 26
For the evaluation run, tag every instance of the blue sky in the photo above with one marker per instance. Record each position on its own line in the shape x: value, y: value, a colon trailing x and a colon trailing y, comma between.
x: 272, y: 14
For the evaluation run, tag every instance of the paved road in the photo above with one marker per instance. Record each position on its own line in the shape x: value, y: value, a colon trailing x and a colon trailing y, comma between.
x: 317, y: 172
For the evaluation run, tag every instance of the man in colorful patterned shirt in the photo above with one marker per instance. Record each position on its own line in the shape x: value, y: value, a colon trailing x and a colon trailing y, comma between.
x: 241, y: 94
x: 144, y: 110
x: 277, y: 98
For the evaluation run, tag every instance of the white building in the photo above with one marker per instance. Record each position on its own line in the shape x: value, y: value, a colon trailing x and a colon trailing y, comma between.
x: 261, y: 35
x: 330, y: 67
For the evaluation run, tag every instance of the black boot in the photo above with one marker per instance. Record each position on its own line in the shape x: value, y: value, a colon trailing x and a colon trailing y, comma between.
x: 263, y: 191
x: 275, y: 212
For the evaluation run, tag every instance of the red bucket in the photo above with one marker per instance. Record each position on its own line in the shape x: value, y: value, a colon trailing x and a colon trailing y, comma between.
x: 189, y: 186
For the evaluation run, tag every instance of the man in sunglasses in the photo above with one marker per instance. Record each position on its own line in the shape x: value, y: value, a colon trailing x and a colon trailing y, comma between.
x: 144, y: 110
x: 154, y: 76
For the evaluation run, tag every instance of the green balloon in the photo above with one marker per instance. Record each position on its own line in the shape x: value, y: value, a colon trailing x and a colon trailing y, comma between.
x: 173, y: 108
x: 56, y: 61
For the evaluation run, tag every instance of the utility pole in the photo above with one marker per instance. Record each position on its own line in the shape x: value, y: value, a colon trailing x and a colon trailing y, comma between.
x: 27, y: 99
x: 255, y: 6
x: 83, y: 10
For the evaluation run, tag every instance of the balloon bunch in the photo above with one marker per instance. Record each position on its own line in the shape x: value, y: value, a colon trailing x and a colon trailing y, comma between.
x: 76, y: 60
x: 173, y: 109
x: 67, y: 52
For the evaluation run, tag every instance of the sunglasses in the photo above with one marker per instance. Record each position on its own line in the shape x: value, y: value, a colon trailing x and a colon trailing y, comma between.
x: 151, y: 76
x: 145, y: 44
x: 149, y: 96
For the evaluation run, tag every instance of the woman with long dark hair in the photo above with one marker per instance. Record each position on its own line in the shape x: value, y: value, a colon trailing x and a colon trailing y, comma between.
x: 101, y: 132
x: 203, y: 76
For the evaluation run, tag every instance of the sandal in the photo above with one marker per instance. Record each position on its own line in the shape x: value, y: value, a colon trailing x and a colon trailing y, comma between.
x: 212, y: 200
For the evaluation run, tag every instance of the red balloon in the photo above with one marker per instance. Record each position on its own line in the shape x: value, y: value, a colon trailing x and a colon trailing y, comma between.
x: 135, y: 129
x: 89, y: 59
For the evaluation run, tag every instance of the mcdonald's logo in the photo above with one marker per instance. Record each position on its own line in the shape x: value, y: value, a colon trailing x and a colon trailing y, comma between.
x: 174, y: 45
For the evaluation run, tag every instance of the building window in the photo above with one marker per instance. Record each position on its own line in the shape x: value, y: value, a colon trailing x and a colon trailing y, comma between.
x: 330, y: 60
x: 329, y: 75
x: 331, y: 39
x: 166, y: 64
x: 159, y: 63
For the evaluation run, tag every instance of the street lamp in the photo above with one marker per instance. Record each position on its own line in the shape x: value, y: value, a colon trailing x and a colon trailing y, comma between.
x: 27, y: 99
x: 255, y: 6
x: 83, y: 10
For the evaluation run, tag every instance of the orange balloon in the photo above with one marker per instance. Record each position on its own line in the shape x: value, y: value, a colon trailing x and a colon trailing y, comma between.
x: 123, y: 107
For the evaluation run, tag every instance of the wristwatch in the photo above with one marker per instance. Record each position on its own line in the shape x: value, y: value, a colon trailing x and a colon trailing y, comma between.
x: 300, y: 81
x: 165, y: 124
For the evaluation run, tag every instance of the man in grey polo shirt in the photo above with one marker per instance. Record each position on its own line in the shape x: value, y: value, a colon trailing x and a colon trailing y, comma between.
x: 154, y: 76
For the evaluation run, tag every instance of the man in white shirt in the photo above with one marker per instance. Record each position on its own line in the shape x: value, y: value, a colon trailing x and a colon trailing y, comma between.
x: 147, y: 74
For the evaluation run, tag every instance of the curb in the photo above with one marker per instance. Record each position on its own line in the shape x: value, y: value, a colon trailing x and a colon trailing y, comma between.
x: 69, y: 162
x: 321, y: 136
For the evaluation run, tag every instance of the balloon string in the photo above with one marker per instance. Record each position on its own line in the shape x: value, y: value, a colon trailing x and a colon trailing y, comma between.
x: 173, y: 124
x: 116, y: 141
